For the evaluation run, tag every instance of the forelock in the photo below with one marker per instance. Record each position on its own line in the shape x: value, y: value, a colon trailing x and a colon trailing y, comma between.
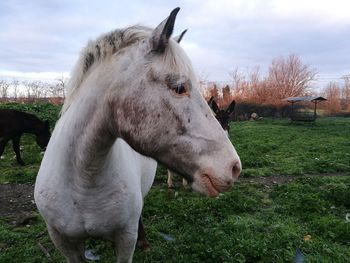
x: 176, y: 60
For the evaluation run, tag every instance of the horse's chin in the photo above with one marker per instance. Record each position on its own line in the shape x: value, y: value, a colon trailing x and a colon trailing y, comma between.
x: 208, y: 185
x: 207, y: 191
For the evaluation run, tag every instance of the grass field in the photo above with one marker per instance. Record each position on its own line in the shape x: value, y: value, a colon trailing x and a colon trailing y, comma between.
x: 254, y: 222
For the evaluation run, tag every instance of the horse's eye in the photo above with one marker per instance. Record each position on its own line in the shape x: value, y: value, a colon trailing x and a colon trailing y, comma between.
x: 180, y: 89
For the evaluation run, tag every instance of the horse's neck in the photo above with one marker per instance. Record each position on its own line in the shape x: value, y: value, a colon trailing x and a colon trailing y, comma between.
x: 93, y: 136
x: 31, y: 125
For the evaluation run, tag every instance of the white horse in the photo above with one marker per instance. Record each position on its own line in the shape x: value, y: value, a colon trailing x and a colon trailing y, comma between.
x: 224, y: 117
x: 132, y: 92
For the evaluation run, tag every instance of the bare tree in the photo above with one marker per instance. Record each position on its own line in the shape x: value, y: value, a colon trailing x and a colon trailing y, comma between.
x: 15, y: 85
x: 61, y: 86
x: 57, y: 90
x: 53, y: 90
x: 4, y: 88
x: 27, y: 89
x: 332, y: 93
x: 239, y: 84
x: 346, y: 94
x: 251, y: 87
x: 289, y: 77
x: 36, y: 89
x: 258, y: 91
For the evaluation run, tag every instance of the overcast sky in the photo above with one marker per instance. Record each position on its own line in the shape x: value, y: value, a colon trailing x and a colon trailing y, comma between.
x: 42, y: 38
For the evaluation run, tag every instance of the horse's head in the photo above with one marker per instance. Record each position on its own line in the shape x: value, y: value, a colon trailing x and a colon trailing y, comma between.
x: 160, y: 112
x: 43, y: 136
x: 223, y: 116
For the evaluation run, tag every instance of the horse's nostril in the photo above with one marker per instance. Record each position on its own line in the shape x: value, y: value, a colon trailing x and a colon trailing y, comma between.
x: 236, y: 170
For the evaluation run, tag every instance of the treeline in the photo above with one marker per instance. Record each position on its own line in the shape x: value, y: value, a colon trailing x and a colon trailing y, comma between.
x: 15, y: 90
x: 338, y: 97
x: 286, y: 77
x: 254, y: 92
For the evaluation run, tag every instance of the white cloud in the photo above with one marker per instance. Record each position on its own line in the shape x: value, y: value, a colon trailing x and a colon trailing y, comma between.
x: 46, y: 36
x: 44, y: 76
x: 323, y: 11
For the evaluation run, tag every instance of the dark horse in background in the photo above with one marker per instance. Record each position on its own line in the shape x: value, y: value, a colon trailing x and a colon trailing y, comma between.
x: 14, y: 123
x: 224, y: 116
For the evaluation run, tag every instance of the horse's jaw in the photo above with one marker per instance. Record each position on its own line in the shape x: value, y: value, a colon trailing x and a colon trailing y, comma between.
x: 211, y: 180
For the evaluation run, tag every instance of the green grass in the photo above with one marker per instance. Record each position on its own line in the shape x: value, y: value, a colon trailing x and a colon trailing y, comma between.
x: 11, y: 171
x: 278, y: 147
x: 267, y: 147
x: 251, y: 223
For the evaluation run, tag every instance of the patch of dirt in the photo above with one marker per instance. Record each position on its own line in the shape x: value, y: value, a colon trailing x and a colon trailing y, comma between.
x: 17, y: 203
x: 17, y: 200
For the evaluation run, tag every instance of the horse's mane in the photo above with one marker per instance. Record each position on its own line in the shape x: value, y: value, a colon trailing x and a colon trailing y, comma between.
x: 108, y: 44
x: 98, y: 50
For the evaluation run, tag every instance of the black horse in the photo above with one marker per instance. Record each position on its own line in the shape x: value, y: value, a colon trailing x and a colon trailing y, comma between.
x: 223, y: 116
x: 14, y: 123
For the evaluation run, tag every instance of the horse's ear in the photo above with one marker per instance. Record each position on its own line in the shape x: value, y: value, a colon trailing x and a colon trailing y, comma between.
x: 231, y: 107
x: 214, y: 107
x: 161, y: 35
x: 179, y: 37
x: 210, y: 100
